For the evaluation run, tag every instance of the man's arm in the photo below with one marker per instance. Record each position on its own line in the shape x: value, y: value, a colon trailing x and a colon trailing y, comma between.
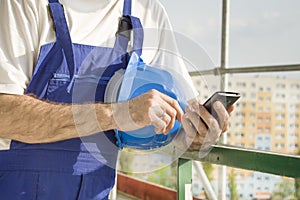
x: 28, y: 119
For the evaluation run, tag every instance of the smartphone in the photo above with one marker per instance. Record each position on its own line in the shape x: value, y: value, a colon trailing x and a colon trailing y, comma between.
x: 227, y: 98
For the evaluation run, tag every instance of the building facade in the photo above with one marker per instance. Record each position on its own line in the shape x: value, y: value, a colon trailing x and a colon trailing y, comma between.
x: 266, y: 117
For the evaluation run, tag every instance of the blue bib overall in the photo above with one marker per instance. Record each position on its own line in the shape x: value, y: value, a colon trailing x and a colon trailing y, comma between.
x: 80, y: 168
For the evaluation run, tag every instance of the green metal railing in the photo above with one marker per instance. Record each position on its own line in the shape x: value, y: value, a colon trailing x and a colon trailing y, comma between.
x: 267, y: 162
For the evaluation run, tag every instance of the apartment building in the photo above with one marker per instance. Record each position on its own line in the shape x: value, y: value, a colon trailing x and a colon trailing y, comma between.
x: 267, y: 117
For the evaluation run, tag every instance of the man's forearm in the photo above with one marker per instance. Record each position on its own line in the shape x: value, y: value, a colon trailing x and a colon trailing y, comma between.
x: 28, y: 119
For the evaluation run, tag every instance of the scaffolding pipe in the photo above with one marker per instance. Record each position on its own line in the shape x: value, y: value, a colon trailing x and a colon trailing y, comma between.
x: 224, y: 63
x: 247, y: 69
x: 206, y: 184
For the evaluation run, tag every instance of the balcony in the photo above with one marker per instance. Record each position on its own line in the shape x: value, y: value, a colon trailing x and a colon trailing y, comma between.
x: 263, y: 100
x: 261, y: 161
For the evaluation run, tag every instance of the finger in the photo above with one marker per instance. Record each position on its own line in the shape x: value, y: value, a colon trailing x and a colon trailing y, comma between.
x: 171, y: 113
x: 196, y: 121
x: 195, y: 141
x: 160, y: 125
x: 223, y: 116
x: 205, y: 115
x: 190, y: 131
x: 230, y: 109
x: 156, y: 117
x: 166, y: 118
x: 203, y: 133
x: 166, y: 113
x: 174, y: 104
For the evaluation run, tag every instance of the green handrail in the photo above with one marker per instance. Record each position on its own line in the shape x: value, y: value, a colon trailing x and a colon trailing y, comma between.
x: 248, y: 159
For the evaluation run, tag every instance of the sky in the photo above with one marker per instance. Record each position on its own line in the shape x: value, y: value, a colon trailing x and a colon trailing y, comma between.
x: 262, y: 32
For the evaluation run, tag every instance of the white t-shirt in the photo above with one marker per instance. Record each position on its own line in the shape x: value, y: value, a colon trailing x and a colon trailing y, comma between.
x: 26, y: 25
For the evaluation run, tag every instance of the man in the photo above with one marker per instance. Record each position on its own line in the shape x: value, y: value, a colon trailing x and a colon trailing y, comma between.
x: 46, y: 98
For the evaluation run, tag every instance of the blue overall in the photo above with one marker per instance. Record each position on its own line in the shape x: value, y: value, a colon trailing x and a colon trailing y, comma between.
x: 80, y: 168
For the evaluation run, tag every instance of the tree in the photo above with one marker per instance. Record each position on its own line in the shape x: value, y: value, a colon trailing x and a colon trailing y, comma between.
x: 208, y: 169
x: 232, y: 186
x: 284, y: 190
x: 125, y: 161
x: 165, y: 176
x: 297, y: 186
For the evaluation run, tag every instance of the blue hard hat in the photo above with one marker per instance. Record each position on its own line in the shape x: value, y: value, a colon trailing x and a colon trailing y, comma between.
x: 138, y: 79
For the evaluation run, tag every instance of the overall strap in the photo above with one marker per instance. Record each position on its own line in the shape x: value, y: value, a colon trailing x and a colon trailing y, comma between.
x: 127, y: 8
x: 62, y: 33
x: 126, y: 24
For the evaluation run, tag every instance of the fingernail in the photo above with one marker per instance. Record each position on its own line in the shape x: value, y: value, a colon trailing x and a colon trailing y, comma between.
x: 217, y: 105
x: 189, y: 108
x: 195, y: 106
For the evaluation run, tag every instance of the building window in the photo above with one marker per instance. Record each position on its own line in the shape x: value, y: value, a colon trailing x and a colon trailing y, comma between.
x: 279, y: 126
x: 279, y: 136
x: 240, y: 125
x: 280, y: 96
x: 240, y: 115
x: 240, y: 144
x: 279, y: 145
x: 295, y: 86
x: 294, y: 126
x: 294, y: 116
x: 259, y: 138
x: 280, y: 85
x: 259, y: 129
x: 280, y: 106
x: 239, y: 135
x: 280, y: 116
x: 294, y: 146
x: 241, y: 84
x: 294, y: 106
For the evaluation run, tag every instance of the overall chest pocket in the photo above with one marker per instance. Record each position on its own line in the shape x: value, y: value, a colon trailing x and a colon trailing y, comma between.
x: 84, y: 88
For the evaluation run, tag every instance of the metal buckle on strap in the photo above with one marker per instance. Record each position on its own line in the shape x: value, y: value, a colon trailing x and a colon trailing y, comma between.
x: 125, y: 27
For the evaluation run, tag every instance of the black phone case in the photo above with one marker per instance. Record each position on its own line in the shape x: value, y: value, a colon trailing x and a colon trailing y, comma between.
x: 227, y: 99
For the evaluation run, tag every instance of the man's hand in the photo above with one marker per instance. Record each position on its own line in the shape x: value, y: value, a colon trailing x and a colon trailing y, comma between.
x: 201, y: 129
x: 151, y: 108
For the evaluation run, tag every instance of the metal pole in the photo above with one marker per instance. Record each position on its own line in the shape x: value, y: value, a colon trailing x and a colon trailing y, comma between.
x: 204, y: 180
x: 224, y: 64
x: 248, y: 69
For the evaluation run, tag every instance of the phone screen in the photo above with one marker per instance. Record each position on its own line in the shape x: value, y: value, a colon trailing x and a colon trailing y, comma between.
x: 227, y: 99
